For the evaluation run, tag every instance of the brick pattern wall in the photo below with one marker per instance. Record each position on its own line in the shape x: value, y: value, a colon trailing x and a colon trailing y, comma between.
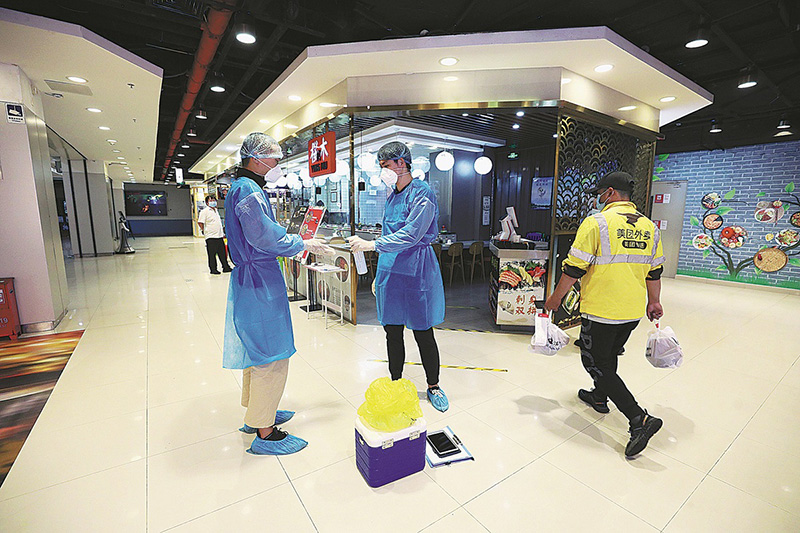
x: 749, y: 170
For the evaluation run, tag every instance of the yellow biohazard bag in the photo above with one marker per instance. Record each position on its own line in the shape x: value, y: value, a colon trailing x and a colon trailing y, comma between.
x: 390, y: 405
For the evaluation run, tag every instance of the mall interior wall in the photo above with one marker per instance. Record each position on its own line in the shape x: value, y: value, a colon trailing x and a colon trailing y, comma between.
x: 87, y: 191
x: 755, y: 189
x: 30, y: 241
x: 178, y: 220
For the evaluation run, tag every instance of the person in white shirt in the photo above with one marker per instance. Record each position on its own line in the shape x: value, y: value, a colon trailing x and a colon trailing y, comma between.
x: 211, y: 226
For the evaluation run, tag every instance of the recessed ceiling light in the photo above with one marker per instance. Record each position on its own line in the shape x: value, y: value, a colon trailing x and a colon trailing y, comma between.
x: 603, y: 68
x: 450, y: 78
x: 667, y: 99
x: 290, y: 126
x: 627, y: 108
x: 294, y: 98
x: 264, y: 121
x: 94, y: 110
x: 111, y: 141
x: 783, y: 133
x: 76, y: 79
x: 127, y: 168
x: 520, y: 113
x: 515, y: 126
x: 565, y: 81
x: 115, y: 151
x: 120, y: 157
x: 328, y: 104
x: 104, y: 128
x: 181, y: 155
x: 232, y: 147
x: 464, y: 114
x: 448, y: 61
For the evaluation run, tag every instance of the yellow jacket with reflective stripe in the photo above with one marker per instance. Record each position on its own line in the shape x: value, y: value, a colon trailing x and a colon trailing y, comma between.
x: 617, y: 248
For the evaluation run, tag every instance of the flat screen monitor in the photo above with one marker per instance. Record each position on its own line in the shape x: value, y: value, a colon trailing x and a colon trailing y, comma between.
x: 146, y: 203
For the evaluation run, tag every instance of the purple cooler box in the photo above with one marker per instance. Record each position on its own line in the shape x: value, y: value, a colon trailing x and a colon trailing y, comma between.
x: 385, y: 457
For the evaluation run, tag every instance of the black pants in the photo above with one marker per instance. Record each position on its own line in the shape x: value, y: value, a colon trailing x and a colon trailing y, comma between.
x: 216, y: 248
x: 600, y: 347
x: 428, y: 352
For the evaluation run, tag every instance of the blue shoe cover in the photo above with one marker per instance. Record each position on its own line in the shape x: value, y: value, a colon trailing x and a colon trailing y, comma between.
x: 438, y: 399
x: 287, y: 445
x: 281, y: 417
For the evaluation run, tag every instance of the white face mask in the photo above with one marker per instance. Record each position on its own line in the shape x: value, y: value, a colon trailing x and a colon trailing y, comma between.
x: 274, y: 174
x: 389, y: 177
x: 212, y: 204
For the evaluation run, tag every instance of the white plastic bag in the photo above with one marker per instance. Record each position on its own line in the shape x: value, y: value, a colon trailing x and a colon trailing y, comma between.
x: 663, y: 349
x: 547, y: 338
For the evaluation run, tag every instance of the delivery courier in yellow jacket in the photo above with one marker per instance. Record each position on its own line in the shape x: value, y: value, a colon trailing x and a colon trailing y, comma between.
x: 617, y: 255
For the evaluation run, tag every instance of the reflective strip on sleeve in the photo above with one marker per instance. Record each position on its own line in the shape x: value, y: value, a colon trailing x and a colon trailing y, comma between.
x: 605, y: 239
x: 658, y: 262
x: 580, y: 254
x: 656, y: 240
x: 624, y: 258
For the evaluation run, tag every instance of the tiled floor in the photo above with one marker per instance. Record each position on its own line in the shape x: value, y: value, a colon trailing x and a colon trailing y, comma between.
x: 140, y: 434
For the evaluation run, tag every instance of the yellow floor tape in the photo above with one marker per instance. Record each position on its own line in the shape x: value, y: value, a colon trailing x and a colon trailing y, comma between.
x: 449, y: 366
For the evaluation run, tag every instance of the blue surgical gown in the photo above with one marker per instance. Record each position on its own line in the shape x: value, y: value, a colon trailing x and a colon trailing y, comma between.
x: 258, y: 326
x: 408, y: 282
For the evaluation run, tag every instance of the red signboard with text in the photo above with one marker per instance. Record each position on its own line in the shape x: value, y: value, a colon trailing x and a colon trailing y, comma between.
x: 308, y: 230
x: 322, y: 155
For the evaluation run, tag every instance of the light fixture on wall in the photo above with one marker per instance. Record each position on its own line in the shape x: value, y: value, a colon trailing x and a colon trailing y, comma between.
x: 483, y: 165
x: 444, y: 161
x: 245, y: 33
x: 747, y: 79
x: 715, y: 127
x: 698, y: 39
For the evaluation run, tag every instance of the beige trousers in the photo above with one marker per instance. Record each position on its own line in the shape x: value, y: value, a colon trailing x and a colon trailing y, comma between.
x: 262, y: 388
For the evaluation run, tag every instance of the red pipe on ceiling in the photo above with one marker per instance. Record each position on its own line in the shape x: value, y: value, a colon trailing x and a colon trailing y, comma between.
x: 213, y: 30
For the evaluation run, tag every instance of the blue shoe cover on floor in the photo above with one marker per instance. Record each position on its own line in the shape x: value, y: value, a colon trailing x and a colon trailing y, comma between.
x: 285, y: 446
x: 281, y: 417
x: 438, y: 399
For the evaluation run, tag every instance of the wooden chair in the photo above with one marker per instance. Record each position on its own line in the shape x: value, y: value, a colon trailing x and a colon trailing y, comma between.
x: 437, y: 249
x: 455, y: 252
x: 476, y: 251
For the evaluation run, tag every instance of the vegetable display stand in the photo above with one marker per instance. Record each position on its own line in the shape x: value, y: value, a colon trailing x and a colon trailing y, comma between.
x: 516, y: 285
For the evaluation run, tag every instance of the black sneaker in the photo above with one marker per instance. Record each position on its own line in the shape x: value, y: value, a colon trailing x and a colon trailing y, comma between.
x: 642, y: 429
x: 215, y: 272
x: 588, y: 398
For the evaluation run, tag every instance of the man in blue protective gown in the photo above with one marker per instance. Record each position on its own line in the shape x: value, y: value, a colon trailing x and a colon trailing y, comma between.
x: 258, y: 326
x: 408, y: 282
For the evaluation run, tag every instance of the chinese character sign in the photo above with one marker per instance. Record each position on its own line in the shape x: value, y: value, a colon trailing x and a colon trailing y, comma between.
x: 322, y: 155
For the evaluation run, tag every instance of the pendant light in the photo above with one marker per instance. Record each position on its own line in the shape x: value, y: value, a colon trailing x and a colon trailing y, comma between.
x: 483, y: 165
x: 444, y: 161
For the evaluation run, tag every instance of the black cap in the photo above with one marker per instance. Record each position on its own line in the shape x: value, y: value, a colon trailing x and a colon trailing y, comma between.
x: 619, y: 181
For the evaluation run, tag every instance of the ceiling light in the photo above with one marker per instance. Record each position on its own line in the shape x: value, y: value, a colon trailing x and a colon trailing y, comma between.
x: 201, y: 114
x: 464, y: 114
x: 93, y: 110
x: 715, y: 128
x: 264, y: 121
x: 294, y: 98
x: 448, y: 61
x: 555, y: 136
x: 216, y: 83
x: 290, y: 126
x: 120, y: 157
x: 603, y: 68
x: 115, y: 151
x: 667, y: 99
x: 747, y: 79
x: 181, y: 155
x: 127, y: 168
x: 698, y: 39
x: 515, y: 126
x: 450, y: 78
x: 104, y: 128
x: 244, y: 33
x: 627, y: 108
x: 520, y: 113
x: 186, y: 145
x: 565, y: 81
x: 111, y: 141
x: 329, y: 104
x: 191, y: 133
x: 483, y: 165
x: 784, y: 124
x: 444, y: 161
x: 76, y: 79
x: 783, y: 133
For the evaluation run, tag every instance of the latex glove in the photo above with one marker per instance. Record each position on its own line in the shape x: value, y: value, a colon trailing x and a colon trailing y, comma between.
x: 317, y: 247
x: 357, y: 244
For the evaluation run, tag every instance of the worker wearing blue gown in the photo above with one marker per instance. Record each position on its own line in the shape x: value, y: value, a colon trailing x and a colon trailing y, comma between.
x: 258, y: 327
x: 408, y: 281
